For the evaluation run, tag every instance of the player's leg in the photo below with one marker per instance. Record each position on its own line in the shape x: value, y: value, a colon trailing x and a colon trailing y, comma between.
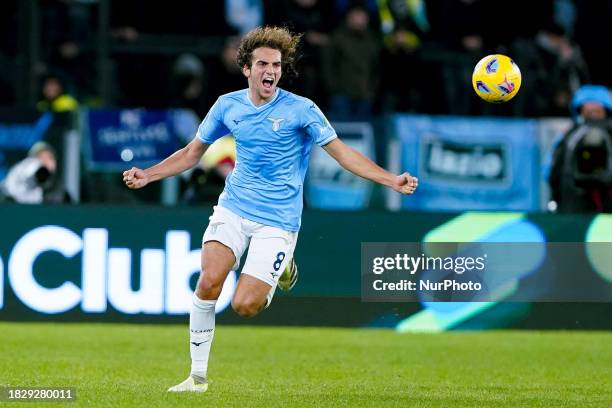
x: 217, y: 261
x: 250, y: 296
x: 270, y: 251
x: 223, y: 246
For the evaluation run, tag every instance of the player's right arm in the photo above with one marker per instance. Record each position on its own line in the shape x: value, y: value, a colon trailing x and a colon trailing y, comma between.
x: 178, y: 162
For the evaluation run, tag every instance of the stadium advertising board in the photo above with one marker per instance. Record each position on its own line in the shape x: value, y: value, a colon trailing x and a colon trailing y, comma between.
x: 328, y: 186
x: 467, y: 163
x: 93, y: 260
x: 128, y: 137
x: 118, y: 263
x: 106, y: 273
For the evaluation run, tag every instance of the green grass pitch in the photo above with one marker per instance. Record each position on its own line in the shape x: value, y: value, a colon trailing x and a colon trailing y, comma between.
x: 120, y: 365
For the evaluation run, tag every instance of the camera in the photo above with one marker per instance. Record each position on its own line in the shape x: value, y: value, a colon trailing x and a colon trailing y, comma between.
x: 581, y: 175
x: 42, y: 176
x: 592, y: 155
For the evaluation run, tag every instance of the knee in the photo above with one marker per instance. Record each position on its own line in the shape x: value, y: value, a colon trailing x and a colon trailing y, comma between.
x: 208, y: 287
x: 246, y: 308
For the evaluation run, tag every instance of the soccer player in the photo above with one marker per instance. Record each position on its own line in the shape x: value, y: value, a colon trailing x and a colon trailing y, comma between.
x: 261, y: 205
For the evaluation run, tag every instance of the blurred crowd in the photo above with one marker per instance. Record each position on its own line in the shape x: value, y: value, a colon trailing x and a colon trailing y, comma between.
x: 360, y: 57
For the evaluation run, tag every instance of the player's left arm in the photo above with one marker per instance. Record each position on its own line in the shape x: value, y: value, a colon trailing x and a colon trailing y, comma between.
x: 360, y: 165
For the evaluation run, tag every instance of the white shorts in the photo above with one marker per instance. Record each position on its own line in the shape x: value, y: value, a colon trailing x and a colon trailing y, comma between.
x: 270, y: 248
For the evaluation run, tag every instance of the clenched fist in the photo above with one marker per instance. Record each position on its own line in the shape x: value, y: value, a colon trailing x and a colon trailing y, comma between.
x: 135, y: 178
x: 405, y: 183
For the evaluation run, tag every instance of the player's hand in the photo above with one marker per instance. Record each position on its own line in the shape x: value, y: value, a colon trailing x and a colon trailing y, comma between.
x: 135, y: 178
x: 405, y: 183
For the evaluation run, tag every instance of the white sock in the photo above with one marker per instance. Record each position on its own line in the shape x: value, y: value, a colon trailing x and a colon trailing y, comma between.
x: 201, y: 332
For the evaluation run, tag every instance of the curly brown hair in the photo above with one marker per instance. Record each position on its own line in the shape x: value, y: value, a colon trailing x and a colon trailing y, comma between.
x: 277, y: 38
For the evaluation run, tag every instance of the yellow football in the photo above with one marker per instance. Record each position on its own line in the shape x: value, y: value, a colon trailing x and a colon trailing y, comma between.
x: 496, y: 78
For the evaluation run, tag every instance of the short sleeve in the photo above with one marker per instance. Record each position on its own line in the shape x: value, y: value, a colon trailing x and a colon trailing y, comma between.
x: 317, y: 126
x: 212, y: 127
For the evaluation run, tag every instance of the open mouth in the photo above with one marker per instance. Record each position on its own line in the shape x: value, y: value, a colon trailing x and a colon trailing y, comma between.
x: 267, y: 83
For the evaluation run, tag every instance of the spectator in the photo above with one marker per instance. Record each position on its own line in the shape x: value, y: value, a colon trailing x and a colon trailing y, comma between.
x: 313, y: 18
x: 458, y: 28
x: 581, y: 174
x: 68, y: 46
x: 557, y: 71
x: 34, y: 179
x: 371, y: 6
x: 189, y: 84
x: 54, y: 96
x: 404, y: 25
x: 350, y: 67
x: 225, y: 75
x: 141, y: 24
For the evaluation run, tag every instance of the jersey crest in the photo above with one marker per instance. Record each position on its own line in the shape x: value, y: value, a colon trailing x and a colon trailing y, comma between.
x: 276, y: 123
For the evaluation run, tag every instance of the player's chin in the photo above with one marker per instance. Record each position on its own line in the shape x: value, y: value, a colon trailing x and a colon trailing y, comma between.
x: 268, y: 91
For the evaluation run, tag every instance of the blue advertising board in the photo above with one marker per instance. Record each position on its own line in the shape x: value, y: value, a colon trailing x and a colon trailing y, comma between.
x: 328, y: 185
x: 117, y: 139
x: 467, y: 163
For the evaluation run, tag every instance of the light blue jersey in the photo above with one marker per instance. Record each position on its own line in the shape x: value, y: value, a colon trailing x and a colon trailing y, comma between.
x: 273, y: 143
